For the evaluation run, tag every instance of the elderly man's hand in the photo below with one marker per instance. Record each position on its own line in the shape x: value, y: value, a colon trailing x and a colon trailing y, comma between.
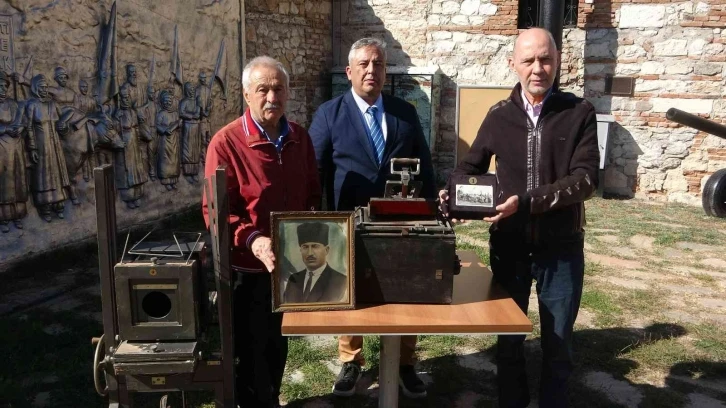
x: 262, y: 249
x: 505, y: 209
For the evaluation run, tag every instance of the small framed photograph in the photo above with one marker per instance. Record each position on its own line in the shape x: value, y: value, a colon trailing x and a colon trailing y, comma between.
x: 314, y: 261
x: 473, y: 196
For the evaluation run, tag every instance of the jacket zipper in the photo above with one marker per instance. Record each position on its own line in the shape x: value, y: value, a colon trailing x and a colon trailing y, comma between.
x: 279, y: 162
x: 534, y: 225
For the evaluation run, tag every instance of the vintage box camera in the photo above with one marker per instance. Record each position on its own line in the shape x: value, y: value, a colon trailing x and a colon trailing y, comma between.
x: 405, y: 250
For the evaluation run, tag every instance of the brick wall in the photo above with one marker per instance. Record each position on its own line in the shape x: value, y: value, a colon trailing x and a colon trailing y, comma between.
x: 297, y: 33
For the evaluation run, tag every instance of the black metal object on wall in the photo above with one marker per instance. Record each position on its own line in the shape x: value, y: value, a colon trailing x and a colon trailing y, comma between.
x: 551, y: 18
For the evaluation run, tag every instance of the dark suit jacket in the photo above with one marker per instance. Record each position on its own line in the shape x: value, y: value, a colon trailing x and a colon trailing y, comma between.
x: 345, y: 156
x: 330, y: 287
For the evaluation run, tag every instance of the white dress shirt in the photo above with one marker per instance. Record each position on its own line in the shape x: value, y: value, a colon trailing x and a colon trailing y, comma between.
x: 316, y: 276
x: 380, y: 114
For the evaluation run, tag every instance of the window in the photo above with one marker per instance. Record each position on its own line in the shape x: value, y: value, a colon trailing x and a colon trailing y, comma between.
x: 529, y: 13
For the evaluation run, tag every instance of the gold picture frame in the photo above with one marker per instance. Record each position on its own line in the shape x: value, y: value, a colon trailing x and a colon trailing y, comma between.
x: 314, y: 260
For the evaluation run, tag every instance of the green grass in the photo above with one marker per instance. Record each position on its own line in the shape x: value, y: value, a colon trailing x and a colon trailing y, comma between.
x: 705, y: 278
x: 593, y: 268
x: 603, y: 305
x: 641, y: 302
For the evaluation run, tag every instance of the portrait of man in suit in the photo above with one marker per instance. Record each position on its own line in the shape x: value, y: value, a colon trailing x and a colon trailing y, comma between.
x: 318, y: 282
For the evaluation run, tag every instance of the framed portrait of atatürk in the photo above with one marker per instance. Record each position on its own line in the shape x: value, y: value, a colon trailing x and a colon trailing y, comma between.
x: 314, y: 260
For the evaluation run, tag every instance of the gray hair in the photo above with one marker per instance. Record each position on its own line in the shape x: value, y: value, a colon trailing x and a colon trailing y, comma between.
x: 263, y: 61
x: 367, y: 42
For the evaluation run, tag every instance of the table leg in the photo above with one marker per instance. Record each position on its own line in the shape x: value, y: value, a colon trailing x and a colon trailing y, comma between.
x: 388, y: 371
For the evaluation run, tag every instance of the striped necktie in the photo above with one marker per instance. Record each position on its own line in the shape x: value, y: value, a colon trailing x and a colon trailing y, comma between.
x: 376, y: 132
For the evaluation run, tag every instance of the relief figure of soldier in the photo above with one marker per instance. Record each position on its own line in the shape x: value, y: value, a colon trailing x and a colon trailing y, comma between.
x: 13, y: 180
x: 191, y: 142
x: 169, y: 151
x: 62, y: 94
x: 204, y: 100
x: 46, y: 124
x: 147, y: 126
x: 85, y: 106
x: 136, y: 94
x: 129, y: 166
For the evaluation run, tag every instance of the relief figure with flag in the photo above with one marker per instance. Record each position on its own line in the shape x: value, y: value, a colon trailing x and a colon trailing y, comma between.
x: 13, y: 180
x: 190, y: 135
x: 167, y: 129
x: 131, y: 174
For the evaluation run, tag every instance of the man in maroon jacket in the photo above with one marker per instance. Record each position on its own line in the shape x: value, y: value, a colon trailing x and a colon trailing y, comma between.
x: 545, y: 143
x: 271, y: 166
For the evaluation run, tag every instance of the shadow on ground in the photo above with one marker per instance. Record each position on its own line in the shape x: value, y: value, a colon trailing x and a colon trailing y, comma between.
x: 600, y: 378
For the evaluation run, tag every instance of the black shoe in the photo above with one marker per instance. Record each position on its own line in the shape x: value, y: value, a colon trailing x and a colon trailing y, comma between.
x: 412, y: 386
x: 347, y: 378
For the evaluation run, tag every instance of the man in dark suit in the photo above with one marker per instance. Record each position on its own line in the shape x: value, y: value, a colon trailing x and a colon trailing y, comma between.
x: 318, y: 282
x: 355, y: 136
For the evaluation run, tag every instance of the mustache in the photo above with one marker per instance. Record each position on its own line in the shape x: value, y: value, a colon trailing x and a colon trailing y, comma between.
x: 270, y: 105
x: 311, y: 258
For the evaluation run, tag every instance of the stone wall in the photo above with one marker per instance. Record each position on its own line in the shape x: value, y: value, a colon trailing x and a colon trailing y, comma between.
x: 296, y: 32
x: 43, y: 34
x: 673, y: 49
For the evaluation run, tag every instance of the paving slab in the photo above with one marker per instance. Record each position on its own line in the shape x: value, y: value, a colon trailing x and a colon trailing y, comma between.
x: 688, y: 270
x: 696, y: 247
x: 693, y: 290
x: 642, y: 242
x: 297, y: 377
x: 610, y: 239
x: 713, y: 303
x: 585, y: 318
x: 624, y: 251
x: 618, y: 391
x: 714, y: 262
x: 715, y: 317
x: 718, y: 386
x: 674, y: 253
x: 474, y: 359
x: 696, y: 400
x: 627, y: 283
x: 656, y: 276
x: 606, y: 260
x: 321, y: 341
x: 680, y: 316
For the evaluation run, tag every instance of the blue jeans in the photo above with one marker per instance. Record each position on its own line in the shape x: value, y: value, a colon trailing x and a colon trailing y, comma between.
x: 558, y: 272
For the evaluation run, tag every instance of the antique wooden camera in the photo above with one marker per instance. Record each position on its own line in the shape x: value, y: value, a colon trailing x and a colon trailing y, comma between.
x: 167, y: 306
x: 405, y: 248
x: 160, y: 306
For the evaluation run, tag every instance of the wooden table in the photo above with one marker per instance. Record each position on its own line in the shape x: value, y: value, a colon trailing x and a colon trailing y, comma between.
x: 477, y: 307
